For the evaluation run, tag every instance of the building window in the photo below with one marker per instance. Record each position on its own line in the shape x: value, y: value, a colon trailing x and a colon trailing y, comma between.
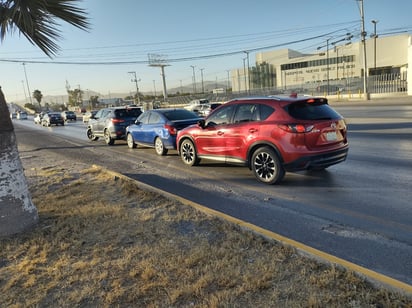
x: 312, y: 63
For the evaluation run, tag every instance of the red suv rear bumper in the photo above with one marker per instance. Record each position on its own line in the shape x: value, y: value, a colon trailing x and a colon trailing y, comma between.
x: 319, y: 161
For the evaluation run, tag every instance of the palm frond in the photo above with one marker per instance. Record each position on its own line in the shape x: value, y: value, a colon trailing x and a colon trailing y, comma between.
x: 38, y: 20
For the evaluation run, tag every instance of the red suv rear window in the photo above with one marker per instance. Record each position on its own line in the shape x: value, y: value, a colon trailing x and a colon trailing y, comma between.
x: 312, y: 110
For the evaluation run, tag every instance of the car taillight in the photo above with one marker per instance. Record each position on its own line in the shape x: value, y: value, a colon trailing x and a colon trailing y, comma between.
x: 172, y: 130
x: 296, y: 128
x: 115, y: 121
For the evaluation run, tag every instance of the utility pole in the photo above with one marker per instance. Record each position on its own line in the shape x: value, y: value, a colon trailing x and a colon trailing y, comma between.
x: 160, y: 61
x: 162, y: 73
x: 27, y: 82
x: 365, y: 66
x: 24, y: 90
x: 137, y: 86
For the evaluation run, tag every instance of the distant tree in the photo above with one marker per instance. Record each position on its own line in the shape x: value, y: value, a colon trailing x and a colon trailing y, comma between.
x: 75, y: 97
x: 37, y: 20
x: 61, y: 107
x: 37, y: 95
x: 94, y: 101
x: 30, y: 106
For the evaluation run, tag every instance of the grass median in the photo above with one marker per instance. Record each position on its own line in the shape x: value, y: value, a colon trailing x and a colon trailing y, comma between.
x: 104, y: 242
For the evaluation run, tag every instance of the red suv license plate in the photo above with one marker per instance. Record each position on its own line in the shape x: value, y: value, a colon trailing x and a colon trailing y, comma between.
x: 331, y: 136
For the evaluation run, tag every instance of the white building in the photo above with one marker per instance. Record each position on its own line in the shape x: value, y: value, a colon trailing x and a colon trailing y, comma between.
x: 335, y: 66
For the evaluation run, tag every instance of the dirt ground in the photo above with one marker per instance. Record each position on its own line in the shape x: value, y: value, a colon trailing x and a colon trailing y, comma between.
x: 104, y: 242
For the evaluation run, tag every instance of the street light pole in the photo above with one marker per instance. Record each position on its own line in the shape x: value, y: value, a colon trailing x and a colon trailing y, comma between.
x: 201, y: 73
x: 228, y: 78
x: 248, y: 70
x: 374, y: 43
x: 327, y: 63
x: 154, y: 88
x: 244, y: 72
x: 194, y: 79
x: 347, y: 38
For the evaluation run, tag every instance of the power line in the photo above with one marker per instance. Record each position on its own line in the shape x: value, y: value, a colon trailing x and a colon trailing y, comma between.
x: 189, y: 47
x: 171, y: 60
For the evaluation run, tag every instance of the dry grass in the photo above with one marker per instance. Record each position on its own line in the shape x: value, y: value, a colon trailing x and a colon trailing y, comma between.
x: 102, y: 242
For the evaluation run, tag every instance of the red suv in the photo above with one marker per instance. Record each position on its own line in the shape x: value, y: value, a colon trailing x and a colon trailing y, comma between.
x: 270, y: 135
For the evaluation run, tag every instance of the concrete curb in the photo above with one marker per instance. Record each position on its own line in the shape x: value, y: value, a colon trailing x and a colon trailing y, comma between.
x: 375, y: 277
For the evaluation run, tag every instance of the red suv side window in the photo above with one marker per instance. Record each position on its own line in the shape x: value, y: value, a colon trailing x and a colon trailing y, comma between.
x: 265, y: 111
x: 221, y: 116
x: 252, y: 112
x: 246, y: 113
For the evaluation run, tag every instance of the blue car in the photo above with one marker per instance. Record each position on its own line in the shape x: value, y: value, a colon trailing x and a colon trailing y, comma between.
x: 158, y: 128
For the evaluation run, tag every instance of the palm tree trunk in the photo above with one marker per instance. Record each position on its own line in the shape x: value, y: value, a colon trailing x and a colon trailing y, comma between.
x: 17, y: 212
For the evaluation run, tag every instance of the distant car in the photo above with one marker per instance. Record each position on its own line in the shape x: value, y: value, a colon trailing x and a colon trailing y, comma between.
x: 21, y: 115
x: 270, y: 135
x: 52, y: 118
x: 110, y: 123
x: 158, y: 128
x: 13, y: 115
x: 38, y: 117
x: 196, y: 102
x: 88, y: 115
x: 203, y: 110
x: 68, y: 116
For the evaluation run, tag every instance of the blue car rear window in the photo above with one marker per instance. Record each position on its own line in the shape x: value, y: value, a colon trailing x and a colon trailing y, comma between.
x: 179, y: 114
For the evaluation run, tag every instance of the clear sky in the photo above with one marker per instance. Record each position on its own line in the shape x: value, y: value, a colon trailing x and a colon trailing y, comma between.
x: 209, y: 35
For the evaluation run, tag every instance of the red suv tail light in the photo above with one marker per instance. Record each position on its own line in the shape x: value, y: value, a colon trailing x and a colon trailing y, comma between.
x: 172, y: 130
x: 296, y: 128
x: 115, y: 121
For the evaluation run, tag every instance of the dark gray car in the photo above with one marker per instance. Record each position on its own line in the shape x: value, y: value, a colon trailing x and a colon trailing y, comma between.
x: 52, y: 118
x: 110, y: 123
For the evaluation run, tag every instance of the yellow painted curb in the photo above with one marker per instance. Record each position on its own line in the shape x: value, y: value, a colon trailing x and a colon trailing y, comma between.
x: 380, y: 278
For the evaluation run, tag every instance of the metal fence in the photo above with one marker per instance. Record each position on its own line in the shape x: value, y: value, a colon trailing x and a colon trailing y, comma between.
x: 386, y: 83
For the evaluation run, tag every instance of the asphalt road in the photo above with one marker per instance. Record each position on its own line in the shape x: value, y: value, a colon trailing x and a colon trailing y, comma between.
x: 360, y: 210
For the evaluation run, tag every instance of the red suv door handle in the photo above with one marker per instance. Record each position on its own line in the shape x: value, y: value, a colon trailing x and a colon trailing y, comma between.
x: 220, y: 133
x: 253, y: 130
